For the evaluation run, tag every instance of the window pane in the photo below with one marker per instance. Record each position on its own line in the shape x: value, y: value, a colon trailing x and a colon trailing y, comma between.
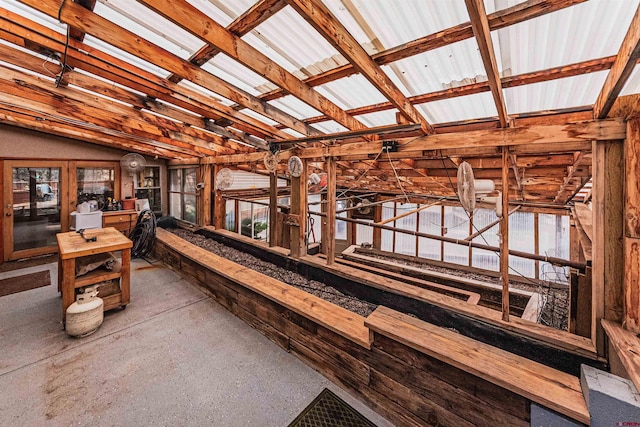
x: 387, y: 235
x: 430, y: 223
x: 190, y: 179
x: 482, y: 258
x: 554, y: 241
x: 521, y: 238
x: 456, y: 222
x: 175, y: 205
x: 95, y: 184
x: 406, y: 243
x: 175, y: 180
x: 230, y: 220
x: 189, y: 208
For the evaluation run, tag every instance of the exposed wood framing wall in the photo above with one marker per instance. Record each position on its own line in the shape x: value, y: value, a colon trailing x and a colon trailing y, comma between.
x: 631, y: 315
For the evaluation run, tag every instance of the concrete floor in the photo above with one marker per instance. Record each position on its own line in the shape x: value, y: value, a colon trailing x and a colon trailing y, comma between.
x: 173, y: 357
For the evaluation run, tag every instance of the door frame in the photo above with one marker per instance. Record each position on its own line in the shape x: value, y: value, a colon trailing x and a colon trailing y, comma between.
x: 7, y: 202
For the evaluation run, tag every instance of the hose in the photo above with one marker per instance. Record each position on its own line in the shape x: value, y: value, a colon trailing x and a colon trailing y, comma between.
x: 143, y: 234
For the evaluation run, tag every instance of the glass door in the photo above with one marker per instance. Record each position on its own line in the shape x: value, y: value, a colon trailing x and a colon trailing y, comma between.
x: 35, y: 207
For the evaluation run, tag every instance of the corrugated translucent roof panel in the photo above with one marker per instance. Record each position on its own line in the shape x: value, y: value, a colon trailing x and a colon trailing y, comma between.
x: 34, y: 15
x: 232, y: 9
x: 461, y: 108
x: 351, y: 92
x: 380, y: 118
x: 589, y: 30
x: 562, y: 93
x: 121, y: 54
x: 292, y: 43
x: 397, y: 22
x: 633, y: 84
x: 330, y: 126
x: 205, y: 92
x: 258, y: 116
x: 449, y: 66
x: 235, y: 73
x: 297, y: 108
x: 149, y: 25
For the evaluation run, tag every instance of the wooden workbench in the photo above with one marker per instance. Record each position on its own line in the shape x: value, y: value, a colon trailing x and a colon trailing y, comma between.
x: 72, y: 246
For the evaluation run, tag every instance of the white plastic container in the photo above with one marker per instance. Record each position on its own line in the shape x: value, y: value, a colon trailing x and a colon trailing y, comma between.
x: 86, y: 220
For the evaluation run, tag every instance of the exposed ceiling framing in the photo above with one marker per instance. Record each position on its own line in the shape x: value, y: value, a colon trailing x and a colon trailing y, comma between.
x: 111, y: 93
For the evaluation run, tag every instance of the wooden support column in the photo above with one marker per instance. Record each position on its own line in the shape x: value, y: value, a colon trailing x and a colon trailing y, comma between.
x: 330, y: 219
x: 631, y: 284
x: 203, y: 201
x: 504, y: 235
x: 219, y: 204
x: 298, y: 215
x: 273, y: 209
x: 608, y: 182
x: 377, y: 232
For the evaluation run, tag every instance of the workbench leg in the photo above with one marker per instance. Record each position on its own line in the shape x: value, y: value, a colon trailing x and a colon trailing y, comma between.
x: 68, y: 282
x: 125, y: 277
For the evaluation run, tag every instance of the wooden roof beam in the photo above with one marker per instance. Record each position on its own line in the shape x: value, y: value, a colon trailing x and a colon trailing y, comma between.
x: 622, y: 68
x: 121, y: 38
x: 482, y: 33
x: 24, y: 32
x: 501, y: 19
x: 321, y: 18
x: 243, y: 24
x: 200, y: 25
x: 18, y: 116
x: 75, y: 33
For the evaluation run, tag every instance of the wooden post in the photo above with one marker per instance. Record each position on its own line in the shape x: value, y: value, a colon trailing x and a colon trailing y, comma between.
x: 273, y: 209
x: 607, y: 290
x: 377, y: 232
x: 504, y: 235
x: 631, y: 284
x: 298, y: 216
x: 330, y: 219
x: 203, y: 203
x: 219, y: 204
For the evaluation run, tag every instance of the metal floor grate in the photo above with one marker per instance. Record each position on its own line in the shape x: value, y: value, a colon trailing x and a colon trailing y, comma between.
x: 328, y: 410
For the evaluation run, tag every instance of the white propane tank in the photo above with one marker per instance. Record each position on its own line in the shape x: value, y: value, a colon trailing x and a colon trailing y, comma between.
x: 86, y: 314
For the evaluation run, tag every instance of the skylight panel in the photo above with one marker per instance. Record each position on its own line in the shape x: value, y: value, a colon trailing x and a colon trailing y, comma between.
x: 206, y: 92
x: 330, y: 126
x: 379, y: 118
x: 633, y: 84
x: 34, y: 15
x: 218, y: 9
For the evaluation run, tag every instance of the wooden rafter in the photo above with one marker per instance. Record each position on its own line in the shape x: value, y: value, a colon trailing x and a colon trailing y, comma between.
x: 500, y: 19
x: 480, y: 25
x: 565, y: 193
x: 621, y: 70
x: 115, y: 35
x: 321, y: 18
x: 26, y: 33
x: 74, y: 32
x: 243, y: 24
x: 196, y: 22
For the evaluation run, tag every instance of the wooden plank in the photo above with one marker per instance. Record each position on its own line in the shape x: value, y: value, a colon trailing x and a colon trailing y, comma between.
x: 93, y: 24
x: 24, y: 282
x: 584, y: 216
x: 608, y: 255
x: 621, y: 70
x: 632, y: 180
x: 480, y: 25
x: 546, y: 386
x: 273, y: 209
x: 504, y: 235
x: 321, y: 18
x: 627, y: 347
x: 200, y: 25
x: 631, y: 290
x: 337, y: 319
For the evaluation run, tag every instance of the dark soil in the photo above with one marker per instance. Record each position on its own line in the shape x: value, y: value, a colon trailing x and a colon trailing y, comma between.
x: 554, y: 314
x: 313, y: 287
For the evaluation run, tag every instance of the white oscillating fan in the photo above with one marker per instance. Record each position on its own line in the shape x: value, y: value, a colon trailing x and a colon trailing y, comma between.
x: 132, y: 163
x: 470, y: 190
x: 224, y: 179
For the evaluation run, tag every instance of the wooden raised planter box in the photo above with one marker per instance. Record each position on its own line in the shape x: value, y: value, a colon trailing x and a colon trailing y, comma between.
x: 409, y: 371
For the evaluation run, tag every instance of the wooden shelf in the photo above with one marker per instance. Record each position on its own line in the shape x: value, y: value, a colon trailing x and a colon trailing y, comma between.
x: 627, y: 347
x: 96, y: 276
